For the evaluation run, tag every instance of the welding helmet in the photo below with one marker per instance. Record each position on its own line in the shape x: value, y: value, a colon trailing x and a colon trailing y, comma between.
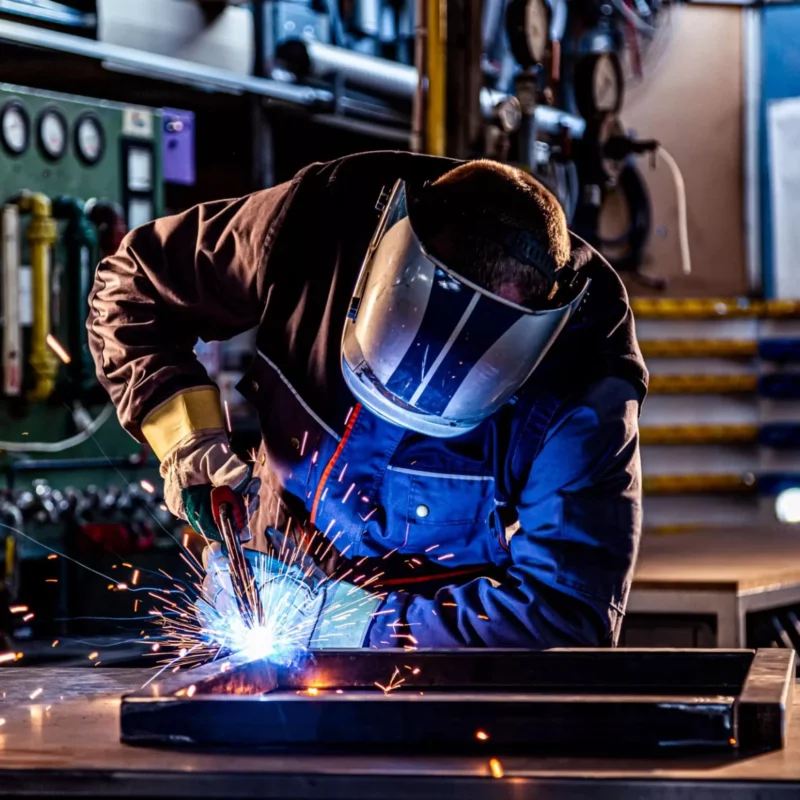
x: 429, y: 350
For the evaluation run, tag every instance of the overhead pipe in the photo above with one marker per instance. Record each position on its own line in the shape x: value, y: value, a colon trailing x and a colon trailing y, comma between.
x: 310, y: 59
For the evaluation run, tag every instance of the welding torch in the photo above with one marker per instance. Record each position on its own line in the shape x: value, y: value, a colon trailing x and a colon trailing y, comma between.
x: 231, y: 520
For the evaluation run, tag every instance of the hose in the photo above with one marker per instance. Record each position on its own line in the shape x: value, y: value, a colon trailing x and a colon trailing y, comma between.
x: 64, y: 444
x: 683, y: 216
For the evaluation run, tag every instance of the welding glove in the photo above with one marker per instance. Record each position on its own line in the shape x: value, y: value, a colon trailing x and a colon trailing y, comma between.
x: 302, y: 606
x: 187, y: 435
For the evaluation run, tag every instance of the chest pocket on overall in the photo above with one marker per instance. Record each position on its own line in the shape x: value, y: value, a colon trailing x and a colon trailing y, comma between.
x: 297, y: 441
x: 447, y: 512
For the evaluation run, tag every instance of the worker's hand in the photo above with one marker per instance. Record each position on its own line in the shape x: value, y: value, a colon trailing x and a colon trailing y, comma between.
x: 193, y: 468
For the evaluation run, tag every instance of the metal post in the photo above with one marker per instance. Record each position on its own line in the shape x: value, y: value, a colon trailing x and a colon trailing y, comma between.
x: 437, y: 77
x: 464, y: 77
x: 420, y: 62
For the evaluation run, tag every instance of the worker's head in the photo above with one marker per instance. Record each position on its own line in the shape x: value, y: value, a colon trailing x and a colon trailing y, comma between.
x: 478, y: 212
x: 457, y: 301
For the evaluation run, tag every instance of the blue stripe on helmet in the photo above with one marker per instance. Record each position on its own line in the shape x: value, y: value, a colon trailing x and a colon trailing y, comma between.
x: 487, y: 323
x: 447, y: 302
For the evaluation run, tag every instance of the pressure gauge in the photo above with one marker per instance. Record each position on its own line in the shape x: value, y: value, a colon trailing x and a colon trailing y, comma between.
x: 89, y: 139
x: 15, y: 128
x: 52, y: 133
x: 599, y: 85
x: 528, y: 27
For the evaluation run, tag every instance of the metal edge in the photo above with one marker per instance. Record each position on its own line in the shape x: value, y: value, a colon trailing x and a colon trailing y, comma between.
x: 160, y: 67
x: 765, y: 702
x: 751, y: 86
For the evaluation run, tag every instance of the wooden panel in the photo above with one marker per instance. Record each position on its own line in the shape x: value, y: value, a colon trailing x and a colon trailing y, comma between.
x: 692, y: 102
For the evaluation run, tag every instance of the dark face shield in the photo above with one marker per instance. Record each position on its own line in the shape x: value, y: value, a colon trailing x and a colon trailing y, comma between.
x: 430, y: 351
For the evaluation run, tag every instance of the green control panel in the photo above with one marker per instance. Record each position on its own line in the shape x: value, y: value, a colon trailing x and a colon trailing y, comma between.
x: 75, y: 173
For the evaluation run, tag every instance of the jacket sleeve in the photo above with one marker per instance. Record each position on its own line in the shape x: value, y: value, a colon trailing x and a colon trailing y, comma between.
x: 199, y: 274
x: 573, y: 554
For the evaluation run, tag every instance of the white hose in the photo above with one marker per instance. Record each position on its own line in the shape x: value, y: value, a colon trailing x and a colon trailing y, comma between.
x: 683, y: 217
x: 64, y: 444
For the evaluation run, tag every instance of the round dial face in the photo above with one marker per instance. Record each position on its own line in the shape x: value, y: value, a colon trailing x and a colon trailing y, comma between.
x: 89, y: 139
x: 537, y: 26
x: 15, y: 129
x: 53, y: 134
x: 606, y: 84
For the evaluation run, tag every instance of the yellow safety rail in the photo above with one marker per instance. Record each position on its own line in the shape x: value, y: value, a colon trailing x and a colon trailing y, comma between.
x: 703, y: 384
x: 699, y: 348
x: 713, y: 308
x: 699, y: 484
x: 698, y: 434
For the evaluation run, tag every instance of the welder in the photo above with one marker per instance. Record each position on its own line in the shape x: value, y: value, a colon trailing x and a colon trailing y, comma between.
x: 448, y: 386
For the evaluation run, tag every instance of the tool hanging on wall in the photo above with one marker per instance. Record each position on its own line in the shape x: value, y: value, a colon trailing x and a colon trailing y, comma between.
x: 80, y: 246
x: 12, y: 334
x: 42, y: 235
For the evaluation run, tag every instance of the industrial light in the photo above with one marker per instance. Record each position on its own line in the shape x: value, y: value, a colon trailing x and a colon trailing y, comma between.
x: 787, y: 506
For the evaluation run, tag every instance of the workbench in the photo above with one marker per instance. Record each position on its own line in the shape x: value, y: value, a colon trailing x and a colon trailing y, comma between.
x: 726, y: 574
x: 66, y: 743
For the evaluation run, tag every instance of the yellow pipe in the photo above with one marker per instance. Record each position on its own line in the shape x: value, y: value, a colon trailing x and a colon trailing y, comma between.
x: 42, y: 235
x: 437, y: 77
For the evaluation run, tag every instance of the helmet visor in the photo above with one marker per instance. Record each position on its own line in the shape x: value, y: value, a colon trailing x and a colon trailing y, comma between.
x: 429, y: 350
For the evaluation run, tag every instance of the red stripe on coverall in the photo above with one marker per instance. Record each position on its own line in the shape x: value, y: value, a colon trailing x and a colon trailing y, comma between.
x: 351, y: 423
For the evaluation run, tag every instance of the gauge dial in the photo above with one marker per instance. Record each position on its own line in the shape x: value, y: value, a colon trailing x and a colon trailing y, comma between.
x: 607, y: 86
x: 528, y: 28
x: 89, y: 139
x: 537, y: 28
x: 52, y: 133
x: 599, y: 85
x: 15, y: 128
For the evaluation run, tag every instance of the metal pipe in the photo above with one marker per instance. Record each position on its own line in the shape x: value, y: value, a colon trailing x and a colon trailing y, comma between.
x: 436, y: 127
x: 308, y: 59
x: 166, y: 68
x: 12, y: 334
x: 418, y: 104
x: 42, y: 235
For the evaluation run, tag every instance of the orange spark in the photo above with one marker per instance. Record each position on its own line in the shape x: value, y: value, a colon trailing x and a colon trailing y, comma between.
x: 52, y: 557
x: 496, y: 768
x: 191, y: 690
x: 18, y: 609
x: 481, y: 735
x: 135, y: 578
x: 58, y: 348
x: 92, y: 656
x: 33, y: 695
x: 147, y: 486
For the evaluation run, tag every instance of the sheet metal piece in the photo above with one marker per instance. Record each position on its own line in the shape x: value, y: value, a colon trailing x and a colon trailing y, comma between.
x: 582, y: 700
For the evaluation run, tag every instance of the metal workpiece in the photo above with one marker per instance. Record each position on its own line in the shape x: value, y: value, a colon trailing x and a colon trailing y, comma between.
x: 598, y: 701
x: 63, y: 741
